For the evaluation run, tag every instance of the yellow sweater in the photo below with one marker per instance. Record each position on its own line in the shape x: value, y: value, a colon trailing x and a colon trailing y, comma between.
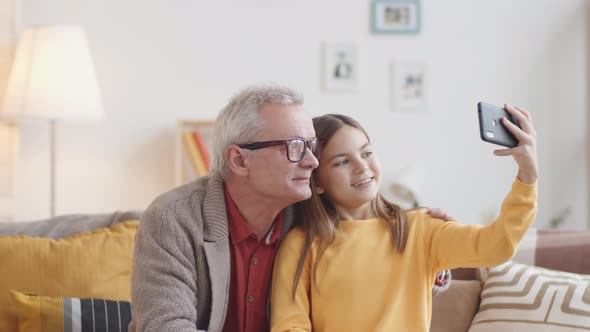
x: 365, y: 285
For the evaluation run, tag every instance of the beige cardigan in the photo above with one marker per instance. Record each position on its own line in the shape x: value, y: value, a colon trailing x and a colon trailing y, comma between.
x: 181, y: 264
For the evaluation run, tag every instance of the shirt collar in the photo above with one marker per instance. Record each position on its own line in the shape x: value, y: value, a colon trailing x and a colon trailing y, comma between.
x: 239, y: 229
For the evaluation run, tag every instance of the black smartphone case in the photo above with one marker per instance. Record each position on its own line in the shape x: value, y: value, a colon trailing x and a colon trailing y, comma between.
x: 491, y: 128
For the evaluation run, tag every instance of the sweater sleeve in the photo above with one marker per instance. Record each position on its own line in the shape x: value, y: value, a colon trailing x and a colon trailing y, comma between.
x: 288, y: 313
x: 163, y: 289
x: 452, y: 245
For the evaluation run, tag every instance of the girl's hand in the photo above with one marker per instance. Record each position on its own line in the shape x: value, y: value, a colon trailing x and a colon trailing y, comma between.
x: 525, y: 154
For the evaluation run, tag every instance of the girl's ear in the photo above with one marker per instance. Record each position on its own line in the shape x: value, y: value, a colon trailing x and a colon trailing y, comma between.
x: 236, y: 160
x: 319, y: 190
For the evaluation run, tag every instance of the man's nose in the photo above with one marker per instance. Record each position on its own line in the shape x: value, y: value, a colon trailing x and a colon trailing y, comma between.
x: 309, y: 159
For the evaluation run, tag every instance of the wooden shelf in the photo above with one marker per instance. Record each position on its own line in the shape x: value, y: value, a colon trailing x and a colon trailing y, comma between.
x: 184, y: 170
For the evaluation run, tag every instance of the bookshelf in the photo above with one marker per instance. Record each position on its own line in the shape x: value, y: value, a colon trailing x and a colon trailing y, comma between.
x: 187, y: 164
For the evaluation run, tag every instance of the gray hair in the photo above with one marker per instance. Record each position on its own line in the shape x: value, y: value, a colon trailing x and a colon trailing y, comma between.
x: 240, y: 122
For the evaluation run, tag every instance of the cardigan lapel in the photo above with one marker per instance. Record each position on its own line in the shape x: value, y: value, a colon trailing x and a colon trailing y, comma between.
x: 218, y: 259
x: 216, y: 245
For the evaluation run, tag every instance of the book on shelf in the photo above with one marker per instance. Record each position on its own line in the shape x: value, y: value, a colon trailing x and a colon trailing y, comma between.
x: 188, y: 170
x: 193, y: 149
x: 194, y: 153
x: 202, y: 148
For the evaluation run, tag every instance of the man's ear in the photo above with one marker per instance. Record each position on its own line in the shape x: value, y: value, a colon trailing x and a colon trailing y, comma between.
x: 236, y: 160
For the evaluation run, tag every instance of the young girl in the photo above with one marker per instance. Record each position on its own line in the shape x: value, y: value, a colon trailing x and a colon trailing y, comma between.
x: 360, y: 263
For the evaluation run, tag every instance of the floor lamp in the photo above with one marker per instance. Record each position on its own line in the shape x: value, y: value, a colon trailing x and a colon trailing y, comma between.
x: 53, y: 78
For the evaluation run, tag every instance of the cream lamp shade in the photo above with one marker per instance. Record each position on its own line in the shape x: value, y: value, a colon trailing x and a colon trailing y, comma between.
x: 52, y: 76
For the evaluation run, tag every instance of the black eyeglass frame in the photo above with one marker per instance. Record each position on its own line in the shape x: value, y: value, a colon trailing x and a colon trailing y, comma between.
x: 308, y: 145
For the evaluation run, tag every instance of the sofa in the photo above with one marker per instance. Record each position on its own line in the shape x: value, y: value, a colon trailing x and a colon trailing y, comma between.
x: 68, y: 273
x: 546, y: 286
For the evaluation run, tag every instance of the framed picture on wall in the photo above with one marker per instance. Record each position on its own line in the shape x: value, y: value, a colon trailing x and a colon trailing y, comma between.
x: 395, y: 16
x: 339, y: 67
x: 409, y: 83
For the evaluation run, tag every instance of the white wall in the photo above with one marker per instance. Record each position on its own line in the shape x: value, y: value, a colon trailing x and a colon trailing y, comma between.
x: 162, y: 60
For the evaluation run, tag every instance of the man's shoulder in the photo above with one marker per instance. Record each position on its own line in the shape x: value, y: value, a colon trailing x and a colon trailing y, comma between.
x: 186, y: 200
x: 181, y: 194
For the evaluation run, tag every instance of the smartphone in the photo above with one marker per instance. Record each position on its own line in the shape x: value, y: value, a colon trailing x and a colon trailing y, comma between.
x: 491, y: 128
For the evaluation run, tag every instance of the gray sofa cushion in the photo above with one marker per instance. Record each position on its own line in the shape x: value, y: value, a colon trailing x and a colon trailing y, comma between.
x: 67, y: 225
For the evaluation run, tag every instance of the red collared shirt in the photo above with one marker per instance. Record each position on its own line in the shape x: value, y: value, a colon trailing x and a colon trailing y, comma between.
x: 251, y: 269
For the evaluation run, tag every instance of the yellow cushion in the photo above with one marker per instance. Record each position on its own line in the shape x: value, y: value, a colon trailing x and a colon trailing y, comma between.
x: 58, y: 314
x: 95, y: 264
x: 29, y: 309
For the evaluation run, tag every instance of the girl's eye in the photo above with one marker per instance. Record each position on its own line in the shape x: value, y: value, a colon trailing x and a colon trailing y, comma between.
x: 341, y: 162
x: 366, y: 154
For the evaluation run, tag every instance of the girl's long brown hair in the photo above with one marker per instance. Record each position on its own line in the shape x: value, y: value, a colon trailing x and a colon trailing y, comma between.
x: 318, y: 217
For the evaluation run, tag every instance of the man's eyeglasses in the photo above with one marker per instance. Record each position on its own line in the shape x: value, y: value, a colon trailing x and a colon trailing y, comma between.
x: 296, y: 147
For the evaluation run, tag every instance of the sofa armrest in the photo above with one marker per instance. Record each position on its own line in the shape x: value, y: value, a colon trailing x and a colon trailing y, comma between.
x: 454, y: 309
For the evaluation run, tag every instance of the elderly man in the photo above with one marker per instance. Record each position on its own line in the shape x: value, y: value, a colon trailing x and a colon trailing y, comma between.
x: 205, y: 250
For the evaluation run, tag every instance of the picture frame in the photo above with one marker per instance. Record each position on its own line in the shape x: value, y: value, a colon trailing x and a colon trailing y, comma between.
x: 409, y: 86
x: 339, y: 67
x: 395, y: 16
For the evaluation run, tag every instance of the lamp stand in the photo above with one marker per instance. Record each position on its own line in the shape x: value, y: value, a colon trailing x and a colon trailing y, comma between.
x: 52, y: 125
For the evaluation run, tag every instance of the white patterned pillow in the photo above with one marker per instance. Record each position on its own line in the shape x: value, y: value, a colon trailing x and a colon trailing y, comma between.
x: 518, y: 297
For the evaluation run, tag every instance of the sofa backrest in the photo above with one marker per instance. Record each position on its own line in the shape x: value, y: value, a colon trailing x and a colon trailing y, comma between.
x: 563, y: 250
x: 67, y: 225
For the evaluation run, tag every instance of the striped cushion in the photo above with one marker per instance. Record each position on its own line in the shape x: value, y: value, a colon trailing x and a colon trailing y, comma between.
x: 43, y: 313
x: 518, y: 297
